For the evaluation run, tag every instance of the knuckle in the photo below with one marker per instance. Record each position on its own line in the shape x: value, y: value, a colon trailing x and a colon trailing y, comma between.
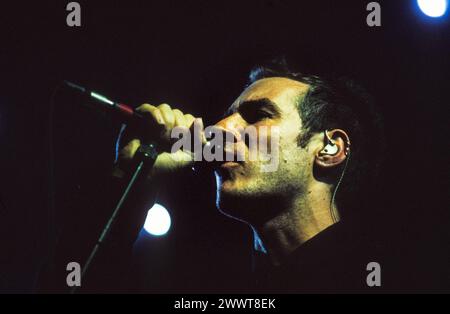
x: 157, y: 115
x: 164, y: 107
x: 189, y: 119
x: 178, y: 112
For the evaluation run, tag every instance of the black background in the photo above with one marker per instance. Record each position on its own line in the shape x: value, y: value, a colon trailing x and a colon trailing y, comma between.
x: 196, y: 56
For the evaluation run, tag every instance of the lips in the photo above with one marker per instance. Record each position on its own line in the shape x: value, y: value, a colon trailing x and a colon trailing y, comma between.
x: 229, y: 158
x: 229, y: 164
x: 225, y: 165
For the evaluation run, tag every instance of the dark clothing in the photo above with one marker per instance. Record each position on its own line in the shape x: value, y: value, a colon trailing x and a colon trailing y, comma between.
x: 335, y: 260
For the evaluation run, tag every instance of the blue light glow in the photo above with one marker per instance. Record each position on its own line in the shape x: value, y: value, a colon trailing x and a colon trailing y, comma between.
x: 433, y: 8
x: 158, y: 221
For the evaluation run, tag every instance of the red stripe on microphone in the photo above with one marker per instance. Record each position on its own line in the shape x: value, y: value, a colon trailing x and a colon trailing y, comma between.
x: 127, y: 110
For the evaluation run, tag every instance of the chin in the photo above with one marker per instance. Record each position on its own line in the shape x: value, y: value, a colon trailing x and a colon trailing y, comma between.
x: 250, y: 208
x: 229, y: 208
x: 228, y: 199
x: 233, y: 203
x: 244, y: 200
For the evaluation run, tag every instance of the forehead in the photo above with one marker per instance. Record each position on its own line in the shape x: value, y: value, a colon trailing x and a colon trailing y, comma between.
x: 282, y: 91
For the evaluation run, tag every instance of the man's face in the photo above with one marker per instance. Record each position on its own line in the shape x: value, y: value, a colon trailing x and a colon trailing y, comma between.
x: 244, y: 190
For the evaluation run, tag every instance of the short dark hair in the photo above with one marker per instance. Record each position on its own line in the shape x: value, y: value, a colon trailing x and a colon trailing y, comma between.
x: 339, y: 102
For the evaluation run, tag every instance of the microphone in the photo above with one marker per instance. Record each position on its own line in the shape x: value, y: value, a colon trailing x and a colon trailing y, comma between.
x: 124, y: 113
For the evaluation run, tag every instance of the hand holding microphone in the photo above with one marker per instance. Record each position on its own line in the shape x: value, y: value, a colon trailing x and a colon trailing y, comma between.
x: 165, y: 119
x: 147, y: 123
x: 150, y: 129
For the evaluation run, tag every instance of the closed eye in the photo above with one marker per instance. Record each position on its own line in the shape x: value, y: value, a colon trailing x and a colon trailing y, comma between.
x: 254, y: 115
x: 257, y: 110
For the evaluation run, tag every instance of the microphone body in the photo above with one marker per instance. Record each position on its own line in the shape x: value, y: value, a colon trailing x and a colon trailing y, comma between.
x: 122, y: 112
x: 126, y: 115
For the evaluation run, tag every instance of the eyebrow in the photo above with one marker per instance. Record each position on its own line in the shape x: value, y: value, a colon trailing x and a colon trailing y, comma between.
x: 265, y: 103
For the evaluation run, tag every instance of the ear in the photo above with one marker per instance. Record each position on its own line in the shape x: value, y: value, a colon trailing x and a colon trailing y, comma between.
x: 335, y: 150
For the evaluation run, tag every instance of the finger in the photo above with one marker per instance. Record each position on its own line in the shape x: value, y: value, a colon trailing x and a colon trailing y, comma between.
x: 155, y: 126
x: 197, y: 129
x: 179, y: 118
x: 167, y: 113
x: 145, y: 107
x: 152, y: 111
x: 128, y: 152
x: 189, y: 119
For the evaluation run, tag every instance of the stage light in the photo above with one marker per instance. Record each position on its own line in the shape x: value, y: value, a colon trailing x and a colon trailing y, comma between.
x: 433, y: 8
x: 158, y: 221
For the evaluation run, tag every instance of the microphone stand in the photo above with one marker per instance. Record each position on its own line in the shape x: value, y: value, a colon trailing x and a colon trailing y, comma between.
x: 144, y: 160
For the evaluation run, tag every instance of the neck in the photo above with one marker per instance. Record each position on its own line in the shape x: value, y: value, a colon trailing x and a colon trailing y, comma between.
x: 304, y: 218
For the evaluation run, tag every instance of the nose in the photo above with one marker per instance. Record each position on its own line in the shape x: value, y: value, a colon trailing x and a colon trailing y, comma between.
x: 229, y: 130
x: 229, y: 126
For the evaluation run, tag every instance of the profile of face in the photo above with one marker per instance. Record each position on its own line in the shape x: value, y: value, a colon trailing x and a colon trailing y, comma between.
x: 244, y: 191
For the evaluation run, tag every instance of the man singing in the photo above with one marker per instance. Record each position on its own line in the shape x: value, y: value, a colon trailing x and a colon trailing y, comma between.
x: 329, y: 146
